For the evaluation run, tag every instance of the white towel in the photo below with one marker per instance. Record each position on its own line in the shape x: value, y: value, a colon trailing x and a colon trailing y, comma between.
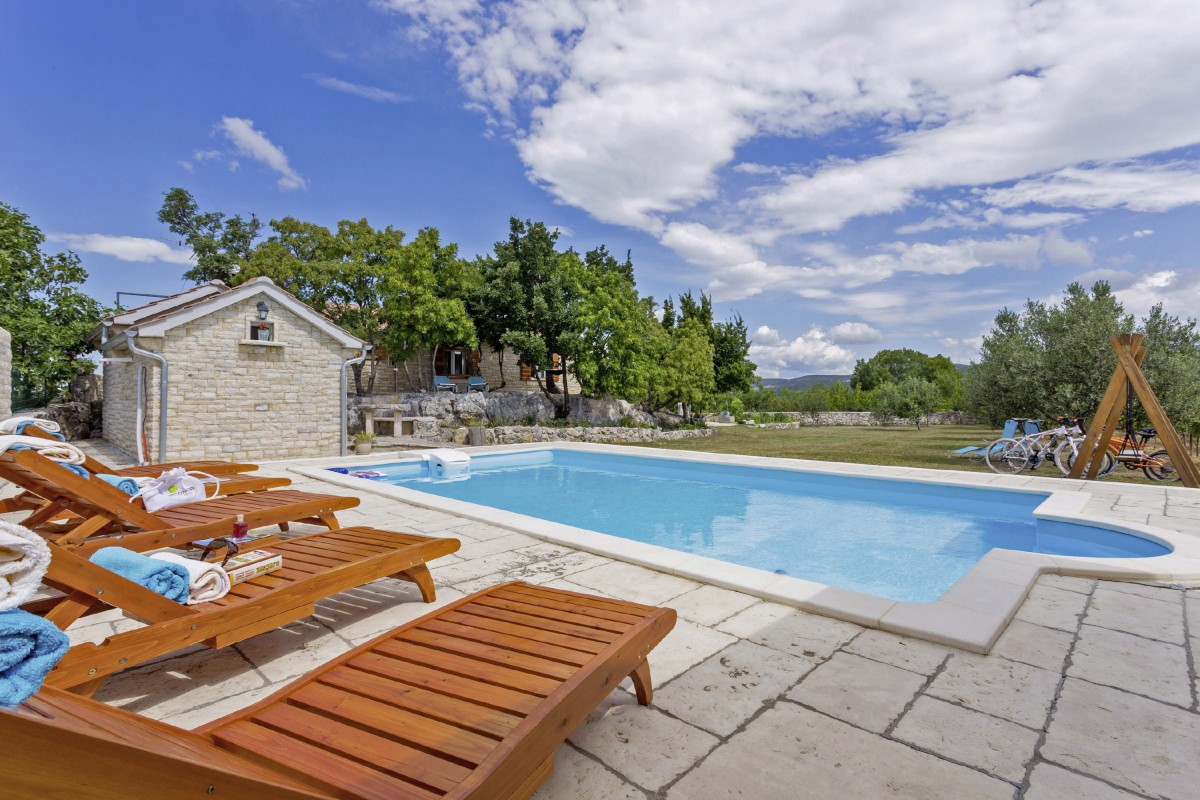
x: 52, y: 449
x: 24, y: 559
x: 10, y: 425
x: 206, y: 580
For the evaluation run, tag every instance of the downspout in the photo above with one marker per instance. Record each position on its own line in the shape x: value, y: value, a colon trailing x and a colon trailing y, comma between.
x: 349, y: 362
x: 139, y: 432
x: 163, y: 385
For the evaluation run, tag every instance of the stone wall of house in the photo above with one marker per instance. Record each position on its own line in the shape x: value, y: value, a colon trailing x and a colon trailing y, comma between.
x: 5, y: 374
x: 120, y: 397
x: 236, y: 400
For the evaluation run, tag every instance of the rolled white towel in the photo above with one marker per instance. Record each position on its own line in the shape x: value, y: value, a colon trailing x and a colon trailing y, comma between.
x: 52, y: 449
x: 24, y: 559
x: 207, y: 581
x: 10, y: 425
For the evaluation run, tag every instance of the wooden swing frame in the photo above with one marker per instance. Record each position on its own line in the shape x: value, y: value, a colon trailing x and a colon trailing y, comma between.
x: 1130, y: 354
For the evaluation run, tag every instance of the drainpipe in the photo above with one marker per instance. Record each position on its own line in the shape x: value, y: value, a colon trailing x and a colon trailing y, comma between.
x: 163, y: 385
x: 140, y: 425
x: 349, y: 362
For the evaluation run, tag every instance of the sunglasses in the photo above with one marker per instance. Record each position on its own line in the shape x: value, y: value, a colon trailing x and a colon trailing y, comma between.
x: 231, y: 549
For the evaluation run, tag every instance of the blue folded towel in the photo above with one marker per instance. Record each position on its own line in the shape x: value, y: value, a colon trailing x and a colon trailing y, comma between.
x: 19, y: 430
x: 127, y: 485
x: 339, y: 470
x: 161, y: 577
x: 30, y: 646
x: 78, y: 470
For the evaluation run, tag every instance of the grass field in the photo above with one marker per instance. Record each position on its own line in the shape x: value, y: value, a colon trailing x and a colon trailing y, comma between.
x: 900, y: 446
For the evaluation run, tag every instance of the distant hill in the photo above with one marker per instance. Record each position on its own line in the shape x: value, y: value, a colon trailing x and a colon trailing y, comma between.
x: 806, y: 382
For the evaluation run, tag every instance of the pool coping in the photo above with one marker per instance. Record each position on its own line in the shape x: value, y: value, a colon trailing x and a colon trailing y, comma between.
x: 971, y: 614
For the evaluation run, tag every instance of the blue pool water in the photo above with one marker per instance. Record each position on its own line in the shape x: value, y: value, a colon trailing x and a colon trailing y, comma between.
x: 904, y: 541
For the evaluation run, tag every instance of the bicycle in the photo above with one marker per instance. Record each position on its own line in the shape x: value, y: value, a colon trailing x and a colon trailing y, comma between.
x: 1013, y: 456
x: 1130, y: 452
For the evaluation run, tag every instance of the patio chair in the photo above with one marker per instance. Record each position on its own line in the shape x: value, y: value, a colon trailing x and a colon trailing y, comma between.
x: 442, y: 383
x: 315, y: 566
x: 232, y: 477
x: 976, y: 452
x: 476, y: 384
x: 87, y: 514
x: 466, y: 703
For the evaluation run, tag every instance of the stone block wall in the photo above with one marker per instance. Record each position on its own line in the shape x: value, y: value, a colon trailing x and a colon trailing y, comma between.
x: 5, y: 374
x: 120, y: 398
x: 236, y: 400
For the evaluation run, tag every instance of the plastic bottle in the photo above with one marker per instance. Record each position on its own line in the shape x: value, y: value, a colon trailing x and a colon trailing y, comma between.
x: 240, y: 528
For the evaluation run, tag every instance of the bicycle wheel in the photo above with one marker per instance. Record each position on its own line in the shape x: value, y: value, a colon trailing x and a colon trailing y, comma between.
x: 1007, y: 456
x: 1160, y: 467
x: 1065, y: 457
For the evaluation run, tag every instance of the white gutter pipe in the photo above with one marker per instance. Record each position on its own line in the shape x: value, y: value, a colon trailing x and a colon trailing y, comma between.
x: 163, y: 385
x: 140, y: 425
x: 349, y: 362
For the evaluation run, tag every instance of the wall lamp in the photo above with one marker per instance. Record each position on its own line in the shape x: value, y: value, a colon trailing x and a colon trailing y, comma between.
x: 262, y: 309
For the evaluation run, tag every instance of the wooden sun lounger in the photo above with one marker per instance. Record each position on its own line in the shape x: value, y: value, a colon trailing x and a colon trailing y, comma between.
x: 232, y: 476
x: 314, y: 567
x: 87, y: 513
x: 466, y: 703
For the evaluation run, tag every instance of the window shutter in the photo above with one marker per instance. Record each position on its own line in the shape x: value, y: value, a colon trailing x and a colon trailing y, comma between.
x: 526, y: 372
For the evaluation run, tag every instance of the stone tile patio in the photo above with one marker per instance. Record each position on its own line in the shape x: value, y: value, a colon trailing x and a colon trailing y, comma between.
x: 1091, y: 692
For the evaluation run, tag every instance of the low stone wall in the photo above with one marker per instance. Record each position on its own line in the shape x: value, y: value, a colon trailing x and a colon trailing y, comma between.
x: 76, y: 419
x: 498, y: 408
x: 865, y: 418
x: 525, y: 434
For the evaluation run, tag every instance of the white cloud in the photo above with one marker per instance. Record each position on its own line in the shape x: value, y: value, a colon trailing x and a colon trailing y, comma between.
x: 1178, y: 292
x: 125, y: 248
x: 372, y: 93
x: 251, y: 142
x: 1137, y: 187
x: 854, y: 333
x: 811, y: 352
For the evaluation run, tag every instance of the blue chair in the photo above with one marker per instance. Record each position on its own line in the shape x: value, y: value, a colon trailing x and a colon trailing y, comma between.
x: 441, y: 383
x: 476, y: 384
x: 976, y: 452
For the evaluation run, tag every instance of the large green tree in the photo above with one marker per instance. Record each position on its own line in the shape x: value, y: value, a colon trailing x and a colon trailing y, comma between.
x: 687, y: 376
x: 44, y: 309
x: 222, y: 245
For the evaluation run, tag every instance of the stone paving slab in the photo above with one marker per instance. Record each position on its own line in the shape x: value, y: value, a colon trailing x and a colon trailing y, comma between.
x: 790, y: 631
x: 1032, y: 644
x: 800, y: 753
x: 578, y: 776
x: 1053, y: 607
x: 1133, y: 663
x: 899, y: 651
x: 988, y: 743
x: 1048, y: 782
x: 1151, y: 618
x: 997, y: 686
x: 1138, y: 744
x: 860, y: 691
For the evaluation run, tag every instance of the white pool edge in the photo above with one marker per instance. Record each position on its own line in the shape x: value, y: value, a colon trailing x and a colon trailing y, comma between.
x: 971, y: 614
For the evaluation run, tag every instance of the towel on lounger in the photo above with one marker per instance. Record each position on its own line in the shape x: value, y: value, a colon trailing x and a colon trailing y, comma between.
x: 161, y: 577
x: 207, y: 581
x: 24, y: 559
x: 30, y: 646
x: 19, y: 424
x: 127, y: 485
x: 62, y: 452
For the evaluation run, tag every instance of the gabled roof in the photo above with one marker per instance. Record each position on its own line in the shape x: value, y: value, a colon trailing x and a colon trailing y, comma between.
x: 155, y: 319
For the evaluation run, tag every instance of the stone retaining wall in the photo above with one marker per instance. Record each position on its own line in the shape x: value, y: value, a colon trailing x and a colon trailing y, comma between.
x: 865, y: 418
x: 498, y: 408
x: 5, y: 374
x: 525, y: 434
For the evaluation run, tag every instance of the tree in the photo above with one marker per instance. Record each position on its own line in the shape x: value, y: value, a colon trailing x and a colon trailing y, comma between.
x: 496, y: 303
x: 733, y: 370
x: 911, y: 398
x: 1172, y: 366
x: 688, y: 376
x: 222, y: 246
x: 44, y: 310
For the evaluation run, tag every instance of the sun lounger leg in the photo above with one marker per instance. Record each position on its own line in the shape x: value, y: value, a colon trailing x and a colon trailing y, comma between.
x: 283, y: 526
x: 329, y: 521
x: 641, y: 683
x: 421, y: 577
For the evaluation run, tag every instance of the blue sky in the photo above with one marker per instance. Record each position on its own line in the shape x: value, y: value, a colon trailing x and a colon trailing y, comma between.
x: 848, y: 175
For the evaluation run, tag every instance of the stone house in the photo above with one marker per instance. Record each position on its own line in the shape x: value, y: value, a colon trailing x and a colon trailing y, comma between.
x: 251, y: 373
x: 459, y: 362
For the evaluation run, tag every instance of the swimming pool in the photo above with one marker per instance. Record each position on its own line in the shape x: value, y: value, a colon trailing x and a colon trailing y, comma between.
x: 905, y: 541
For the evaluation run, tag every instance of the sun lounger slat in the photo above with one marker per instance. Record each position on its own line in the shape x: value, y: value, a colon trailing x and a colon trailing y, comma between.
x: 452, y: 685
x: 535, y: 610
x: 507, y: 641
x: 469, y: 667
x: 623, y: 617
x: 620, y: 606
x: 368, y: 535
x: 539, y: 622
x: 454, y: 710
x: 300, y: 759
x: 497, y: 654
x: 574, y: 643
x: 344, y: 546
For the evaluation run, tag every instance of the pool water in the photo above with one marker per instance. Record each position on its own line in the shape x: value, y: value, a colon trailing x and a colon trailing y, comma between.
x: 900, y: 540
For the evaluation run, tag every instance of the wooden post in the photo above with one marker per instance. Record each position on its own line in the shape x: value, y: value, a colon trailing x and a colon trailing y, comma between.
x: 1130, y: 354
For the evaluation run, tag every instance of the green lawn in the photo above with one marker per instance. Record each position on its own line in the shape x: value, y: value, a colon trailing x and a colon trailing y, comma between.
x: 901, y: 446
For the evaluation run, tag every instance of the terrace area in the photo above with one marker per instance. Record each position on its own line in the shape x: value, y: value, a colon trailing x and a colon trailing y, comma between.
x: 1090, y: 693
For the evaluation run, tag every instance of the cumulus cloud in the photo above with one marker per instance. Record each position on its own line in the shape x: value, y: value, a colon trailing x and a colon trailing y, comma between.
x: 372, y: 93
x: 250, y: 142
x: 125, y: 248
x: 813, y: 351
x: 854, y: 333
x: 1137, y: 187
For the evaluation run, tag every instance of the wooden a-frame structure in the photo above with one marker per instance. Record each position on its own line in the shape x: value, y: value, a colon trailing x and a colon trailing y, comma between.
x: 1130, y: 354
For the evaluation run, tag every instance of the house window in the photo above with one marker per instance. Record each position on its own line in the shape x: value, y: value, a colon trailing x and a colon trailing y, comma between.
x: 261, y: 331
